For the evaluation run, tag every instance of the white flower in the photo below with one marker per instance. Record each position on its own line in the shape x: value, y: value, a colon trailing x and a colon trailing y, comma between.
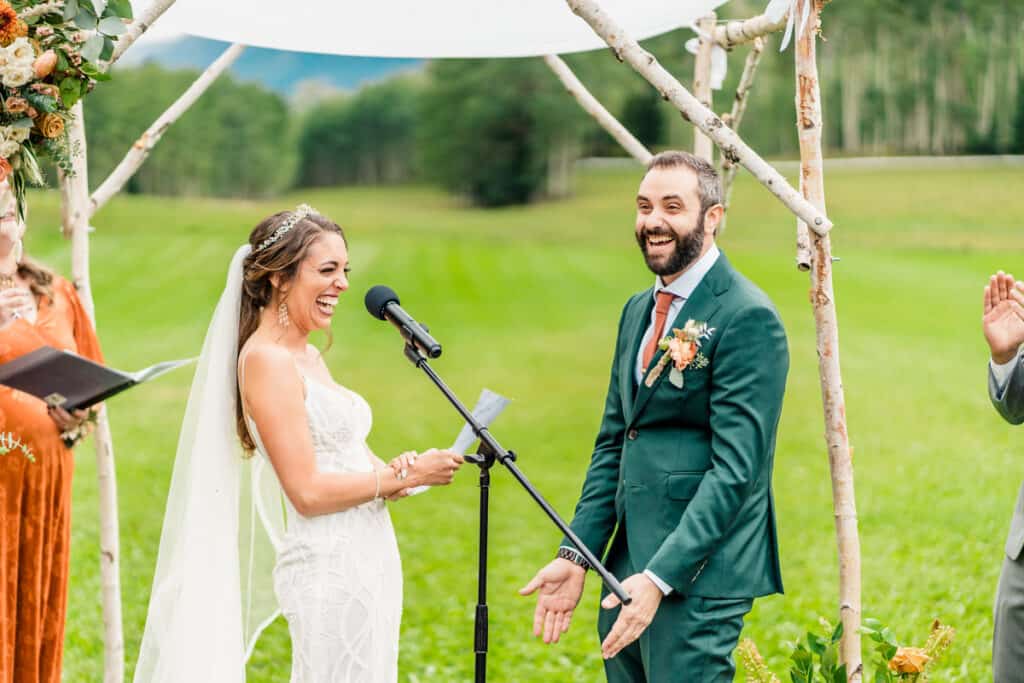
x: 17, y: 76
x: 5, y: 57
x: 22, y: 51
x: 9, y: 148
x: 19, y: 135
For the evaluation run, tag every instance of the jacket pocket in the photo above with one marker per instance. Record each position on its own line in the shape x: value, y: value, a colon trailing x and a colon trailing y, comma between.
x: 683, y: 485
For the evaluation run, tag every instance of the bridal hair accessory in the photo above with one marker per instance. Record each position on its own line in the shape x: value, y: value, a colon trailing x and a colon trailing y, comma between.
x: 301, y: 211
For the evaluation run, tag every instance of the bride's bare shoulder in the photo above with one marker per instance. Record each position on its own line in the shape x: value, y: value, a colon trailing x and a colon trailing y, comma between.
x: 264, y: 361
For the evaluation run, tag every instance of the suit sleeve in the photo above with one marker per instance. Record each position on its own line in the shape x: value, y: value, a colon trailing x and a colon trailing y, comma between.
x: 594, y: 519
x: 1008, y: 396
x: 747, y: 384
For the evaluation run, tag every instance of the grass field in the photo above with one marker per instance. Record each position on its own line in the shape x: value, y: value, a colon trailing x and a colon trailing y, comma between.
x: 526, y: 301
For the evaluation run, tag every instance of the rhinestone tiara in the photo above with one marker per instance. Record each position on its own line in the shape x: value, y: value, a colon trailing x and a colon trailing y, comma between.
x: 301, y: 211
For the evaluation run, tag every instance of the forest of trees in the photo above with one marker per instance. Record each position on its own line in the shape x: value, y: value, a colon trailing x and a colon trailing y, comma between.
x: 898, y: 77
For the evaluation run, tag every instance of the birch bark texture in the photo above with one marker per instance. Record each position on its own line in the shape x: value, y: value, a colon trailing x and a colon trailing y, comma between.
x: 840, y: 457
x: 75, y: 220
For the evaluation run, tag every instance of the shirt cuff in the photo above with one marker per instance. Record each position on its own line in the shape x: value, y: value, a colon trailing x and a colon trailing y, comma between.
x: 662, y: 586
x: 1002, y: 371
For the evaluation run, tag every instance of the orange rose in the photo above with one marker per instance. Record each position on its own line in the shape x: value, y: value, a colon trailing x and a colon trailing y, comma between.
x: 5, y: 169
x: 50, y: 125
x: 683, y: 352
x: 45, y: 64
x: 909, y: 660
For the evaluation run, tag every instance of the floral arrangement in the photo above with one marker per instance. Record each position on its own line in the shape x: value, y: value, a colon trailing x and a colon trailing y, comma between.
x: 51, y: 52
x: 682, y: 348
x: 816, y: 660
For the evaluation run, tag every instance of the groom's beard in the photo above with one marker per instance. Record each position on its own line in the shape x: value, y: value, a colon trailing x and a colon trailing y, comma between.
x: 688, y: 248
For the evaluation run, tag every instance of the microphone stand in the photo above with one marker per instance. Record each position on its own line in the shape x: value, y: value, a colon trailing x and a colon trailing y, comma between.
x: 489, y: 452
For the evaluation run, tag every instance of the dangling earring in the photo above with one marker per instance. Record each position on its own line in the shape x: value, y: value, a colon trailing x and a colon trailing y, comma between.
x: 282, y: 315
x: 19, y: 250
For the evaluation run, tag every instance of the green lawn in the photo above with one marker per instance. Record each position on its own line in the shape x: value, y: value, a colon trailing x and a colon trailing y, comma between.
x: 526, y: 301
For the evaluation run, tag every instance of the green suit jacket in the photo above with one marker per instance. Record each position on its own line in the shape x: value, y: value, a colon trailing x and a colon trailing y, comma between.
x: 686, y: 473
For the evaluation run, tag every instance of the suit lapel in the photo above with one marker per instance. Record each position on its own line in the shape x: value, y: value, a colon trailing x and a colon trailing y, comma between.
x: 701, y: 306
x: 638, y: 322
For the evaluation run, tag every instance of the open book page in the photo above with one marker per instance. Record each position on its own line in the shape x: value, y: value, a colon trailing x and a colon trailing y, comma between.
x: 154, y: 371
x: 488, y: 407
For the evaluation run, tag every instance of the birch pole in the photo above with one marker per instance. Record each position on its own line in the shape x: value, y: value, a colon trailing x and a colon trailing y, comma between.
x: 137, y: 28
x: 593, y: 107
x: 627, y: 49
x: 75, y: 218
x: 702, y: 146
x: 139, y: 151
x: 735, y: 33
x: 808, y: 106
x: 735, y: 117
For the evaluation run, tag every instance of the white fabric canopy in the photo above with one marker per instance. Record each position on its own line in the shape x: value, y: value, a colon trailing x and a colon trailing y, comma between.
x: 422, y: 28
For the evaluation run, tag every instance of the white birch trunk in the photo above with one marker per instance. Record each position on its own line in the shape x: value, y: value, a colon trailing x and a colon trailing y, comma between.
x: 702, y: 146
x: 735, y: 33
x: 844, y: 505
x: 593, y: 107
x: 735, y: 117
x: 139, y: 26
x: 138, y: 153
x: 75, y: 215
x: 627, y: 49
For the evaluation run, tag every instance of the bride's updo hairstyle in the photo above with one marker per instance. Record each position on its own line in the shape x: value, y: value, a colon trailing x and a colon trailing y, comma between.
x: 279, y: 244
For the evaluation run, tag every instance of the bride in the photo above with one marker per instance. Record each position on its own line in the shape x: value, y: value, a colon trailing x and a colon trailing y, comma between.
x: 234, y: 551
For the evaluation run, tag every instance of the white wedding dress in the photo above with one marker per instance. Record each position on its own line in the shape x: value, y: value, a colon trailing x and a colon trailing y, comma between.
x: 338, y: 577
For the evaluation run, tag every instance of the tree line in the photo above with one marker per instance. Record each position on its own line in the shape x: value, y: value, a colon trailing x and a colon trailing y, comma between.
x: 898, y: 77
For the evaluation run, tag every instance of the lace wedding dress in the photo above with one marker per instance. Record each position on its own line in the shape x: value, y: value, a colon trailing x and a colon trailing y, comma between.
x: 338, y: 577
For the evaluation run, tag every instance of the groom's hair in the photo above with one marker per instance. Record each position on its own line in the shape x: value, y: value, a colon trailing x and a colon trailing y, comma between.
x: 709, y: 187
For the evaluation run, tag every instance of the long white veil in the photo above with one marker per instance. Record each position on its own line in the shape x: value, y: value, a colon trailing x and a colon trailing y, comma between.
x: 212, y: 590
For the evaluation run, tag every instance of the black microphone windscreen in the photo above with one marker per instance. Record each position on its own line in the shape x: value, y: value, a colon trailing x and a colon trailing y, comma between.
x: 377, y: 298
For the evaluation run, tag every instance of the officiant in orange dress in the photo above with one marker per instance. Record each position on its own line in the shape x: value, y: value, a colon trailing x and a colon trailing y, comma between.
x: 37, y: 308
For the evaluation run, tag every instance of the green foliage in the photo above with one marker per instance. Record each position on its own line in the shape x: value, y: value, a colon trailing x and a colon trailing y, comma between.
x: 816, y: 659
x: 237, y: 139
x: 643, y: 116
x: 488, y: 128
x: 365, y: 138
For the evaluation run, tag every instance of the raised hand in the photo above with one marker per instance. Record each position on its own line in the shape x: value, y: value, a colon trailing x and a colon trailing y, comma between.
x: 1003, y: 321
x: 559, y: 587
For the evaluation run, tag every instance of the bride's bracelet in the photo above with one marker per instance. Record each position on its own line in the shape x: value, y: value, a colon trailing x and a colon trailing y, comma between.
x: 376, y: 471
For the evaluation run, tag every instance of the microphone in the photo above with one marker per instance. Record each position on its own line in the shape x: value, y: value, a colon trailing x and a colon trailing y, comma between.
x: 383, y: 304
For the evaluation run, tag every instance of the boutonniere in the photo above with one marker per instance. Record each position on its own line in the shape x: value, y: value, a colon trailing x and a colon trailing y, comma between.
x: 682, y: 349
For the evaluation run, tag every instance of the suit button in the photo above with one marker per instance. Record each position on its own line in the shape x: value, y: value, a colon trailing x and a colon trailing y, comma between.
x: 632, y: 434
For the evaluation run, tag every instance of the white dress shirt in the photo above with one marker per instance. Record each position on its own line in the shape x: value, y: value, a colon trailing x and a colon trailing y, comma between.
x: 1001, y: 371
x: 682, y: 287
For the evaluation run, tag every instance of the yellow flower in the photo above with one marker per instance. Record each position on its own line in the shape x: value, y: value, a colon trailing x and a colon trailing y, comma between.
x: 909, y: 660
x: 50, y: 125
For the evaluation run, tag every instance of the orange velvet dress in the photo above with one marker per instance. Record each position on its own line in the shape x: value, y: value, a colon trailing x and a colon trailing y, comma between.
x: 35, y: 500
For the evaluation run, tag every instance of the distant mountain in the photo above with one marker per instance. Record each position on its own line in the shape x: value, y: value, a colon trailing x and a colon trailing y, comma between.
x: 281, y: 71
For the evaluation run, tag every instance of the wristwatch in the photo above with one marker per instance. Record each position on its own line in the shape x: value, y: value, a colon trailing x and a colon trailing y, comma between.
x: 573, y: 556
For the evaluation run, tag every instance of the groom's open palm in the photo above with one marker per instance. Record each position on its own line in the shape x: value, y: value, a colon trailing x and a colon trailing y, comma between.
x: 559, y: 586
x: 1003, y: 322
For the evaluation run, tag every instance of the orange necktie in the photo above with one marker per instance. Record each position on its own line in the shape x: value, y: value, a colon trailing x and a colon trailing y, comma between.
x: 660, y: 315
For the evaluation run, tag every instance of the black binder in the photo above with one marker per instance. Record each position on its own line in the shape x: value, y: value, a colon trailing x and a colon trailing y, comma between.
x: 66, y: 380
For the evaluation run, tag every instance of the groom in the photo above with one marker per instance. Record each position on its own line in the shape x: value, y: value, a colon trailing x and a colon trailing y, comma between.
x: 679, y: 485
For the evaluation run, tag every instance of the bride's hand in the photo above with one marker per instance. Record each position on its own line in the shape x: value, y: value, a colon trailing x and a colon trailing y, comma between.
x: 434, y: 468
x: 403, y: 463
